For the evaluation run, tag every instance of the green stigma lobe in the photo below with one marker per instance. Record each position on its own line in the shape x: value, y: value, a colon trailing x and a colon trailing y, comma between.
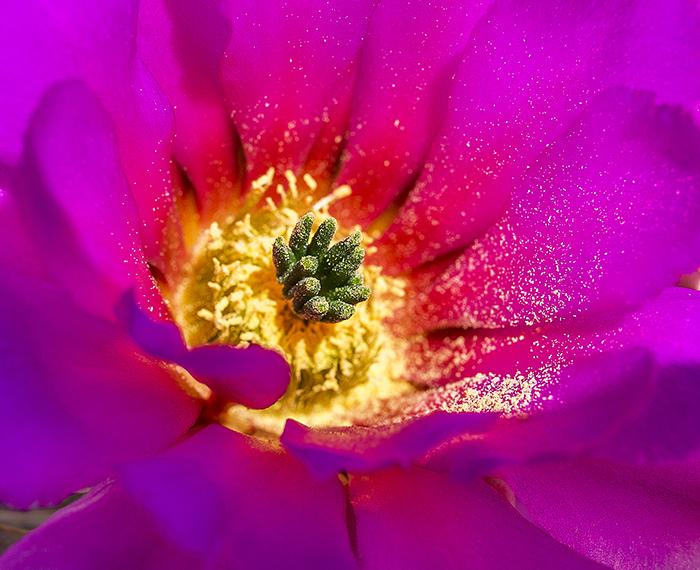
x: 300, y: 235
x: 322, y: 281
x: 282, y: 257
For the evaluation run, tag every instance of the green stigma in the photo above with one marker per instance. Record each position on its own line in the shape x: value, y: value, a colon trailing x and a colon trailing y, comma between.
x: 322, y: 281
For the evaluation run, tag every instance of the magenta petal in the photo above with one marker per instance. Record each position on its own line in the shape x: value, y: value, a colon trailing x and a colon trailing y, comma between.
x: 623, y: 388
x: 417, y: 520
x: 666, y: 325
x: 362, y: 449
x: 33, y: 62
x: 624, y: 517
x: 254, y: 376
x: 595, y: 400
x: 527, y: 72
x: 217, y: 500
x: 324, y: 156
x: 17, y: 251
x: 622, y: 187
x: 239, y: 503
x: 76, y: 397
x: 183, y: 43
x: 77, y: 203
x: 105, y: 529
x: 43, y: 43
x: 404, y: 73
x: 667, y: 429
x: 282, y: 68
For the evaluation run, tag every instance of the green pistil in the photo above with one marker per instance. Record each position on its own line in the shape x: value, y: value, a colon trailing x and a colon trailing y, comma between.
x: 323, y: 282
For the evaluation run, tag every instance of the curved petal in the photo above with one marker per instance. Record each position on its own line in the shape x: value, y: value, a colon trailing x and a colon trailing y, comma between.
x: 666, y: 325
x: 183, y: 43
x: 324, y: 157
x: 528, y: 71
x: 285, y: 62
x: 76, y: 397
x: 619, y: 189
x: 625, y: 388
x: 75, y: 538
x: 360, y: 449
x: 254, y: 376
x: 225, y: 500
x: 241, y: 503
x: 624, y: 517
x: 33, y: 62
x: 77, y: 204
x: 596, y: 399
x: 16, y: 248
x: 417, y: 519
x: 404, y: 71
x: 45, y: 43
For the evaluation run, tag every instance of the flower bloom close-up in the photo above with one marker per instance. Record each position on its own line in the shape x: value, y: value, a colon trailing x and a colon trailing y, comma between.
x: 368, y: 284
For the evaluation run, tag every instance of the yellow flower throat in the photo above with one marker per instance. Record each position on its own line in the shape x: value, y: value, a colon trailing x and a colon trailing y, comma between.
x: 230, y: 295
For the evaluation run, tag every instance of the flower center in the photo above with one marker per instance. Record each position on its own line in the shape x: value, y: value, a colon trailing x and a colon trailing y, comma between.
x: 260, y: 277
x: 323, y: 283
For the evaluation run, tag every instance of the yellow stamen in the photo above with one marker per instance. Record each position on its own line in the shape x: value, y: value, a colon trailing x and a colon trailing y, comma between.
x: 231, y: 296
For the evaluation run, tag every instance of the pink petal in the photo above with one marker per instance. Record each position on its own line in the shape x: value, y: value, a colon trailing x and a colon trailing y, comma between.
x: 183, y: 44
x: 76, y: 397
x: 360, y: 449
x: 105, y: 529
x: 597, y: 398
x: 254, y: 376
x: 526, y: 74
x: 282, y: 68
x: 323, y: 158
x: 217, y: 500
x: 94, y: 42
x: 77, y: 203
x: 623, y: 388
x: 666, y: 325
x: 418, y: 519
x: 240, y: 502
x: 16, y: 248
x: 623, y: 517
x: 404, y: 73
x: 620, y: 189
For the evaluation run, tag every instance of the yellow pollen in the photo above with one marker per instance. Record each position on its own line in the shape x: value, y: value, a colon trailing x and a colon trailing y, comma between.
x: 230, y: 295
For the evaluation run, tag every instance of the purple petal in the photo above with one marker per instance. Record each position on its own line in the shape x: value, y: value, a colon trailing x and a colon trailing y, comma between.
x: 105, y: 529
x: 253, y: 376
x: 282, y: 67
x: 88, y: 240
x: 624, y: 387
x: 36, y: 61
x: 225, y: 500
x: 76, y: 397
x: 418, y: 519
x: 363, y: 449
x: 324, y: 157
x: 624, y: 517
x: 183, y: 44
x: 665, y: 325
x: 242, y: 503
x: 404, y: 73
x: 667, y: 429
x: 595, y: 399
x: 621, y: 188
x: 46, y: 43
x: 16, y: 248
x: 528, y: 71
